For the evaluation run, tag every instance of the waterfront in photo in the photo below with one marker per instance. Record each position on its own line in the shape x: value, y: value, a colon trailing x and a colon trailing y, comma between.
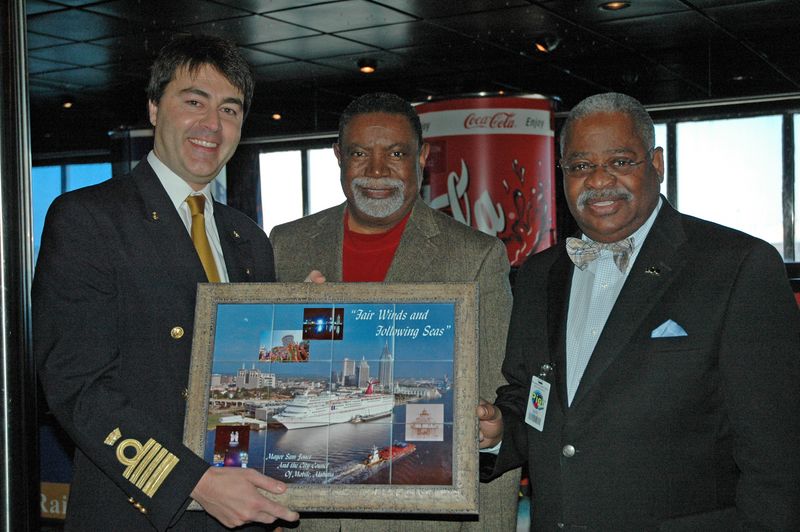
x: 329, y: 453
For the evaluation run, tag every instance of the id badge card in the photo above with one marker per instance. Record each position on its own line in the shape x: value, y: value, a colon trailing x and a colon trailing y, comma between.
x: 537, y: 403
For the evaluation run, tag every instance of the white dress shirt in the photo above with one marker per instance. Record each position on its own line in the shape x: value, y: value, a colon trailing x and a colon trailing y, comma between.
x: 178, y: 190
x: 593, y: 294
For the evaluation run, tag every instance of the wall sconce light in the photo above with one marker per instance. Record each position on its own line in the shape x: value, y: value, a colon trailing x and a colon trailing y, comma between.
x: 614, y: 6
x: 546, y: 44
x: 367, y: 65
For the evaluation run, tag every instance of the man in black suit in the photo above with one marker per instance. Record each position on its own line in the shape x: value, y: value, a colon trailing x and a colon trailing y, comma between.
x: 113, y: 307
x: 652, y: 378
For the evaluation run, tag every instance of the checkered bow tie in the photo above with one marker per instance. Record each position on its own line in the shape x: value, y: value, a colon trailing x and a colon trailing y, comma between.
x: 583, y: 252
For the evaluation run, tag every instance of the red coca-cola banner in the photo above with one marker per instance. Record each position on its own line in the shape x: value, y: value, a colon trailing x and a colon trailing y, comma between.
x: 492, y: 166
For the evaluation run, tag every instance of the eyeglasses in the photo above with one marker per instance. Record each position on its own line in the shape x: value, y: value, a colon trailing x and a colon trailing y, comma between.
x: 618, y: 166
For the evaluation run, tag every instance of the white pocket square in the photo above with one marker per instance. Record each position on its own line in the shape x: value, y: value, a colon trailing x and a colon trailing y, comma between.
x: 668, y: 329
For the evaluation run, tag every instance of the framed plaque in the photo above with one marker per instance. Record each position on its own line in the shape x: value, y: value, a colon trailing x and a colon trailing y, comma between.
x: 359, y: 396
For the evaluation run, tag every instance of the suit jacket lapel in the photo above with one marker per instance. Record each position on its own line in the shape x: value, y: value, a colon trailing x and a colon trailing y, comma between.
x: 171, y: 241
x: 236, y: 249
x: 559, y: 285
x: 417, y: 250
x: 641, y: 292
x: 325, y: 244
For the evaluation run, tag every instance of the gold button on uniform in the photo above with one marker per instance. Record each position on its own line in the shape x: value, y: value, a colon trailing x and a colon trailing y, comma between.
x: 176, y: 332
x: 185, y: 393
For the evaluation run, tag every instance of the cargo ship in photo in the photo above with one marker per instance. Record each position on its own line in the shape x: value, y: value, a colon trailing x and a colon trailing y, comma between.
x: 327, y: 408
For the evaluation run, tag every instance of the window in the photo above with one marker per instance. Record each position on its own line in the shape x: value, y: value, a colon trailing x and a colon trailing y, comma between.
x: 730, y: 172
x: 661, y: 140
x: 324, y: 186
x: 282, y: 183
x: 281, y: 187
x: 796, y: 213
x: 48, y: 182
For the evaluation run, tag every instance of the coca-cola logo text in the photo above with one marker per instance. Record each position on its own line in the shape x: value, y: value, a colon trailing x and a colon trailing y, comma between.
x: 499, y: 120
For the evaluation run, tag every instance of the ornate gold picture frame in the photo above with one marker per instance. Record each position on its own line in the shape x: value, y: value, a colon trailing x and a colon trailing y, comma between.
x: 360, y: 396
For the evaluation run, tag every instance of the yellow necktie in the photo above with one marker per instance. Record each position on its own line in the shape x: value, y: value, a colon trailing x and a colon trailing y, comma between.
x: 197, y: 206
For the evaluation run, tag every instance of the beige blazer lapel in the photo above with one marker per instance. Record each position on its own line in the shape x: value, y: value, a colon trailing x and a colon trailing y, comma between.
x: 417, y: 251
x: 325, y: 244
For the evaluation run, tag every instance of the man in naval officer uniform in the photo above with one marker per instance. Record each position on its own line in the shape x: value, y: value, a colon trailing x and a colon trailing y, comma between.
x: 113, y: 307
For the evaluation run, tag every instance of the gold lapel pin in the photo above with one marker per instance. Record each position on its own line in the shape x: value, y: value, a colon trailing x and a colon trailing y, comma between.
x: 652, y: 270
x: 154, y: 216
x: 235, y: 234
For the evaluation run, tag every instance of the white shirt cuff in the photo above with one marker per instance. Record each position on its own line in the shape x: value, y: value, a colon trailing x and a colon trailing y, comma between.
x: 492, y: 450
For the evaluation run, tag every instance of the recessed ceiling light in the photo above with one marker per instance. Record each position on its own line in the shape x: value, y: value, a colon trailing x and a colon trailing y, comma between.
x: 367, y: 65
x: 67, y: 103
x: 614, y: 6
x: 276, y: 116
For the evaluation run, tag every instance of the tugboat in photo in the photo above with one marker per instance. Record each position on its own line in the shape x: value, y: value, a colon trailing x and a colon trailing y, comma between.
x: 328, y: 408
x: 377, y: 460
x: 394, y: 452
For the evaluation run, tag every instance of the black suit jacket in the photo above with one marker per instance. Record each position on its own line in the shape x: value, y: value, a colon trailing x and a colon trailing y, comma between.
x: 113, y: 311
x: 695, y: 432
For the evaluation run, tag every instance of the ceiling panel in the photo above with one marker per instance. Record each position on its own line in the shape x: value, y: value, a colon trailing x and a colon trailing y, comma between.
x: 252, y: 29
x: 80, y: 54
x: 296, y: 70
x: 501, y: 26
x: 37, y: 66
x: 403, y: 35
x: 82, y: 26
x: 33, y: 7
x: 268, y: 6
x: 78, y: 78
x: 684, y: 29
x: 37, y: 40
x: 166, y: 14
x: 314, y: 47
x: 431, y: 9
x: 259, y: 58
x: 341, y: 16
x: 76, y: 3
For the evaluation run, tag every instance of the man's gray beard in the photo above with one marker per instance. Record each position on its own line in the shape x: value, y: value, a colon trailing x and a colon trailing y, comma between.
x: 373, y: 207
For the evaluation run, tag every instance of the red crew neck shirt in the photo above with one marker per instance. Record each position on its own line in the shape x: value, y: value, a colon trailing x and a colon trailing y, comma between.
x: 367, y: 257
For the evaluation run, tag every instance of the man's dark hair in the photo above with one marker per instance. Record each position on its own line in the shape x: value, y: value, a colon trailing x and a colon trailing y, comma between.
x: 193, y: 52
x: 381, y: 102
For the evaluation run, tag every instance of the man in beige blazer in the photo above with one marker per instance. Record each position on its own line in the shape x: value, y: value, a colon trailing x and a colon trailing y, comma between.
x: 385, y: 232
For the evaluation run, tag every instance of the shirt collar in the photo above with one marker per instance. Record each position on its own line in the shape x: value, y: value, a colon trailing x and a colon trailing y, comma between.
x: 640, y: 234
x: 177, y: 189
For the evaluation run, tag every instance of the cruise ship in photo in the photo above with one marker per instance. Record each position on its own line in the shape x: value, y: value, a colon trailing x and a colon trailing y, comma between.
x: 308, y: 410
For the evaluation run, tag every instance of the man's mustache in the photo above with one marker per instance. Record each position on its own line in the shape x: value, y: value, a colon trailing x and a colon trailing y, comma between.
x: 378, y: 182
x: 619, y: 193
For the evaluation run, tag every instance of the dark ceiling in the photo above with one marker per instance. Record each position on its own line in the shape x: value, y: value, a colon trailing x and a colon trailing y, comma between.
x: 304, y: 54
